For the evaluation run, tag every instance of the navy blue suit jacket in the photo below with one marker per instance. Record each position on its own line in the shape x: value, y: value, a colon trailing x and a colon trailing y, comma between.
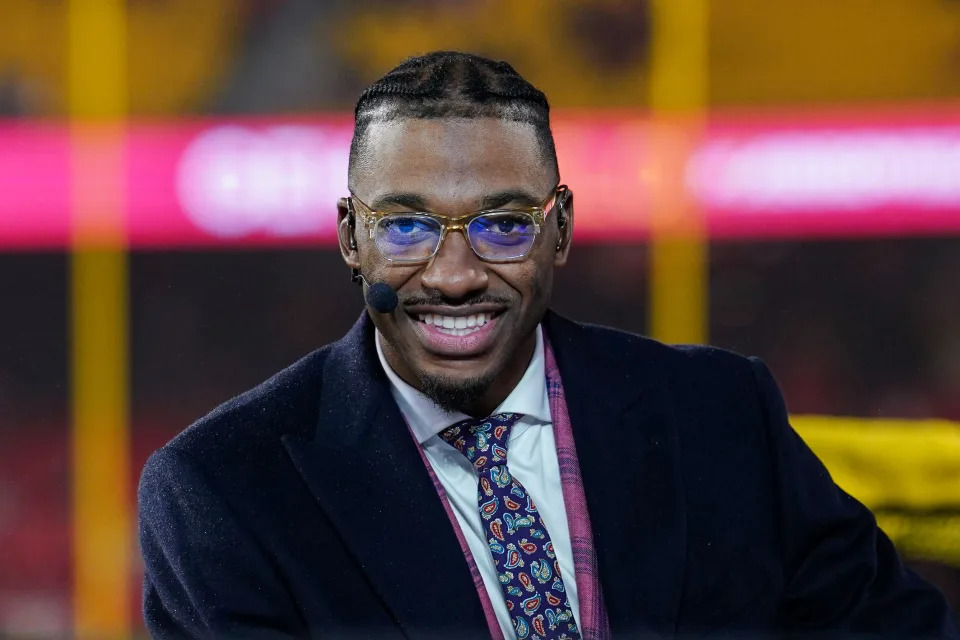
x: 302, y: 509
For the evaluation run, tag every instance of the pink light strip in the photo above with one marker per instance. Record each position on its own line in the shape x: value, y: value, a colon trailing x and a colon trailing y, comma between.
x: 265, y: 182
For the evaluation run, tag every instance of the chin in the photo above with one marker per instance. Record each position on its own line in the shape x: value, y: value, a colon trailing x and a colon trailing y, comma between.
x: 460, y: 370
x: 456, y: 393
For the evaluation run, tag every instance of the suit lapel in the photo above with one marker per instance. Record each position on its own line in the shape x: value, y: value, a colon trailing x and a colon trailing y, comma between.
x: 364, y: 469
x: 626, y: 443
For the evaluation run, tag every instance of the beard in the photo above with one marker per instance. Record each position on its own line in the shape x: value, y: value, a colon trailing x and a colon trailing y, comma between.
x: 456, y: 395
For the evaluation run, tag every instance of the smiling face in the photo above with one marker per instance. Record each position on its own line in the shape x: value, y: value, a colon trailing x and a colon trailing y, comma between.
x: 453, y: 167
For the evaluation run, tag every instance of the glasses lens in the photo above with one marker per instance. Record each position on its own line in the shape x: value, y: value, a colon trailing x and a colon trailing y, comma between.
x: 502, y: 235
x: 405, y: 238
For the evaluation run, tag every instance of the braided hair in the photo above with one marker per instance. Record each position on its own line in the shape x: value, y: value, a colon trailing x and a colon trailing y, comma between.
x: 451, y: 84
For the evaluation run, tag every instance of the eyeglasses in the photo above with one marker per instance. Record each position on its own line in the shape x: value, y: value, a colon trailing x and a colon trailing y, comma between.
x: 495, y: 235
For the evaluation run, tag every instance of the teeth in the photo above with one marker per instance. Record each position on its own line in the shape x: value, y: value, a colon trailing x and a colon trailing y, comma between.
x: 456, y: 325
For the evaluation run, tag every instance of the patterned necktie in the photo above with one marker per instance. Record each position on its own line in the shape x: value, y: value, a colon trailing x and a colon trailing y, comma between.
x: 518, y: 539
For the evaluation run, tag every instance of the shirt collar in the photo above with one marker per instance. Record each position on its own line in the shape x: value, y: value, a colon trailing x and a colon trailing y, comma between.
x: 426, y: 419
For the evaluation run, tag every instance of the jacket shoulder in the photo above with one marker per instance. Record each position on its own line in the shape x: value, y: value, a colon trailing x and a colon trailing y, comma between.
x: 683, y: 360
x: 699, y: 379
x: 286, y: 403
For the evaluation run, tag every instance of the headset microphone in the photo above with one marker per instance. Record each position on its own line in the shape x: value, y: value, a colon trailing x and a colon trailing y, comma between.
x: 379, y: 295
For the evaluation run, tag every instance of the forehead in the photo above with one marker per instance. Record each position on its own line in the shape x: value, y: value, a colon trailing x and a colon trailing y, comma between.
x: 450, y: 161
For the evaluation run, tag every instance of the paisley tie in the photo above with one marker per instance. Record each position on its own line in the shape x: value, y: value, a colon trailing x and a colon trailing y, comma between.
x: 518, y: 539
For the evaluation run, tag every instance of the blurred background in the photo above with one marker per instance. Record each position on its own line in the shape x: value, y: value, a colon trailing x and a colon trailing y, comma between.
x: 778, y: 178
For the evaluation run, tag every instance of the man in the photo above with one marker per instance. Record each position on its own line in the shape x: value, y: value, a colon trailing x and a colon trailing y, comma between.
x: 465, y: 463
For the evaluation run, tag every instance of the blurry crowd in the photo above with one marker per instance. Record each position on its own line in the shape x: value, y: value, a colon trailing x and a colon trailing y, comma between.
x: 283, y: 56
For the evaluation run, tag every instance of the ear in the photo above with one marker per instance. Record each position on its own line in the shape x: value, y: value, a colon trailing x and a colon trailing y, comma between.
x: 346, y: 233
x: 564, y: 211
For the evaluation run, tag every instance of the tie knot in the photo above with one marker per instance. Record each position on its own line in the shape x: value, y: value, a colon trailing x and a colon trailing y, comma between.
x: 483, y: 442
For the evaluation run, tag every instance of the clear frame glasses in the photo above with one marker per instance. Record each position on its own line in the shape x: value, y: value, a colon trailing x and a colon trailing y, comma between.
x: 495, y: 235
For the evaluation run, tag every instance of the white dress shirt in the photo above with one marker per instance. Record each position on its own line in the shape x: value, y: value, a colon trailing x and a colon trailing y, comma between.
x: 531, y: 459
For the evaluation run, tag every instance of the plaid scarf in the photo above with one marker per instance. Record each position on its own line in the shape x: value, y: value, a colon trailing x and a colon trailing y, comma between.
x: 593, y: 617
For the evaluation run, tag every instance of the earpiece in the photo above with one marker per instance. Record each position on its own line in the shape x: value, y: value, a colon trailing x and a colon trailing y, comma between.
x: 352, y: 224
x: 561, y: 214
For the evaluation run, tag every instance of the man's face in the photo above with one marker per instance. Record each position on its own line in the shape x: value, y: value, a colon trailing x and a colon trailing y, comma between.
x: 453, y: 167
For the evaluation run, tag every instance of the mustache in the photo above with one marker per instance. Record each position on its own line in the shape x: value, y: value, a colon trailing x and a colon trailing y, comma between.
x: 437, y: 299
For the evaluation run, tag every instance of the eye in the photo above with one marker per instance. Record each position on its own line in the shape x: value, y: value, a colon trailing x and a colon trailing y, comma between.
x: 407, y: 225
x: 501, y: 229
x: 503, y: 224
x: 407, y: 230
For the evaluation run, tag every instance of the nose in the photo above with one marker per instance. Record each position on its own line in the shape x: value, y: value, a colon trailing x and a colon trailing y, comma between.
x: 455, y: 272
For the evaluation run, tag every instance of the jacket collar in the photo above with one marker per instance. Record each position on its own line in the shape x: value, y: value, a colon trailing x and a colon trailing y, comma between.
x: 364, y: 468
x: 366, y: 473
x: 623, y: 423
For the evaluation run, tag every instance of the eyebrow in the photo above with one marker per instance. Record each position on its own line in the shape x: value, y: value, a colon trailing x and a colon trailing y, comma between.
x: 409, y: 200
x: 521, y: 197
x: 418, y: 202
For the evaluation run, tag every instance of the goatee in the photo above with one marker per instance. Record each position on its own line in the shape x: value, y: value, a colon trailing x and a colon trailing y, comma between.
x: 456, y: 395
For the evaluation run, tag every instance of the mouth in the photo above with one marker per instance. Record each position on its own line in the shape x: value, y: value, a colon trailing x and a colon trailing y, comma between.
x: 456, y: 325
x: 457, y: 333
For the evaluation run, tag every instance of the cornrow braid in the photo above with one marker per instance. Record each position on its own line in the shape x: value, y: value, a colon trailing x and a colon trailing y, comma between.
x: 451, y: 84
